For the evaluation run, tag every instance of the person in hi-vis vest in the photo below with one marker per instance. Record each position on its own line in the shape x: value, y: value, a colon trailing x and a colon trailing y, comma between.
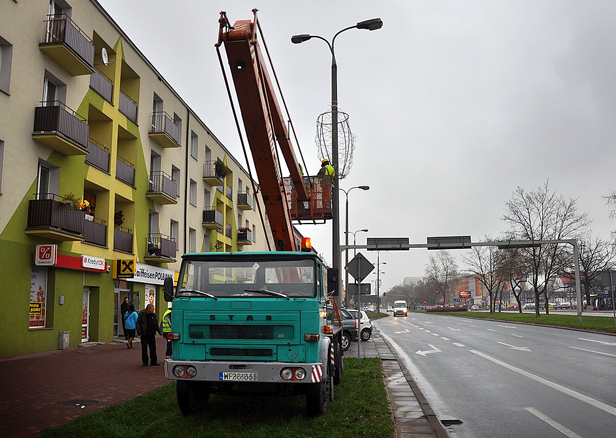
x: 326, y: 168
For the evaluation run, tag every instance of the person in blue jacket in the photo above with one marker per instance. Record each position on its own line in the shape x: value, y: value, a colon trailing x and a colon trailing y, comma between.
x: 130, y: 319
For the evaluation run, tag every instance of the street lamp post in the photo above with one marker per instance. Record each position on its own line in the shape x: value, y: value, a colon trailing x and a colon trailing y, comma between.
x: 347, y: 232
x: 346, y: 251
x: 378, y: 284
x: 373, y: 24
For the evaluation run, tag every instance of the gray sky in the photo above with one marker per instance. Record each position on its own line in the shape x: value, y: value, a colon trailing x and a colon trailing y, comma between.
x: 454, y: 103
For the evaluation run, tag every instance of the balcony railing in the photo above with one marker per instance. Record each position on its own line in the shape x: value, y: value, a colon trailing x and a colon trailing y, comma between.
x: 230, y: 193
x: 128, y: 107
x: 212, y: 219
x: 125, y: 171
x: 60, y: 128
x: 123, y: 239
x: 164, y: 130
x: 49, y: 215
x: 68, y: 45
x: 102, y: 85
x: 228, y: 230
x: 244, y: 201
x: 244, y: 236
x: 95, y: 232
x: 98, y: 155
x: 163, y: 189
x: 212, y: 174
x: 160, y: 245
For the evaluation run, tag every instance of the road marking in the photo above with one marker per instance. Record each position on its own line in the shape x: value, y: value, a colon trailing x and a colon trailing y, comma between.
x: 428, y: 331
x: 517, y: 336
x: 435, y: 334
x: 423, y: 353
x: 473, y: 326
x: 444, y: 338
x: 458, y: 344
x: 593, y: 351
x: 510, y: 326
x: 454, y: 329
x: 491, y: 330
x: 600, y: 342
x: 553, y: 423
x: 584, y: 398
x: 513, y: 347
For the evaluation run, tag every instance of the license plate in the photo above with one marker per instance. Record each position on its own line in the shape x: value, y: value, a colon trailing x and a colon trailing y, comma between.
x: 238, y: 377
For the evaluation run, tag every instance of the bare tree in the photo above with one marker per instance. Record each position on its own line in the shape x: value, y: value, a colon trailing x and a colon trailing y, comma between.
x: 441, y: 270
x: 543, y: 215
x: 513, y: 268
x: 483, y: 262
x: 595, y: 255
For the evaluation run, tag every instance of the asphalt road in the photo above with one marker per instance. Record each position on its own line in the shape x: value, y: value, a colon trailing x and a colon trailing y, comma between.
x: 497, y: 379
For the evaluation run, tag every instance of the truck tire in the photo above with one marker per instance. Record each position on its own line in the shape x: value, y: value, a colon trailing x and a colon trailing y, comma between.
x: 317, y: 398
x: 338, y: 362
x: 192, y: 396
x: 365, y: 334
x: 346, y: 341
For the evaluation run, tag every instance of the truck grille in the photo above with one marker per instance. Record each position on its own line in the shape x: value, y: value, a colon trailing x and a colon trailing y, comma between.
x: 234, y: 352
x: 249, y: 332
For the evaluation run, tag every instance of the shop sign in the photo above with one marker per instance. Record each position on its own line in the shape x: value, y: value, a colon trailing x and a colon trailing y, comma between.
x: 45, y: 255
x: 124, y: 269
x: 93, y: 262
x: 151, y: 274
x: 36, y: 308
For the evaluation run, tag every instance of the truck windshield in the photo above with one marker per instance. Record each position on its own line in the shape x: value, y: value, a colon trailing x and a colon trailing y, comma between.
x: 243, y: 278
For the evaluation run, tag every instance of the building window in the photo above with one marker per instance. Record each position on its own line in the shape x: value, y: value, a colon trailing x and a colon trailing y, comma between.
x: 175, y: 175
x: 54, y: 90
x: 193, y: 193
x: 178, y: 122
x: 254, y: 233
x: 192, y: 240
x: 6, y: 56
x: 207, y: 199
x: 175, y: 233
x: 194, y: 145
x: 38, y: 296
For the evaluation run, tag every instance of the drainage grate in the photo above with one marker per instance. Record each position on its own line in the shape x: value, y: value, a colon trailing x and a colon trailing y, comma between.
x: 80, y: 403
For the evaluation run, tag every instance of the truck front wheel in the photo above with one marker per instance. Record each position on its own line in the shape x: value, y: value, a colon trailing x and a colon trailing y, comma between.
x: 192, y: 396
x: 317, y: 398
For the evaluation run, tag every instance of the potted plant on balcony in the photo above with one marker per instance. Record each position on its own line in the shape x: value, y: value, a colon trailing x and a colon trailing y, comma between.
x: 220, y: 168
x: 118, y: 218
x: 72, y: 201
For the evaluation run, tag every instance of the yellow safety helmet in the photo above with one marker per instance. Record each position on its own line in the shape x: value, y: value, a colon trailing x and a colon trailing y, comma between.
x: 324, y: 160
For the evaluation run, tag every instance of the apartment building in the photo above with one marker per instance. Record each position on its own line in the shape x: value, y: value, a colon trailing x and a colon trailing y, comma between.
x: 106, y: 178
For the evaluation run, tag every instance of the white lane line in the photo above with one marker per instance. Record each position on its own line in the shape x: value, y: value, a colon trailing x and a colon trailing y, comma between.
x: 517, y: 336
x: 593, y: 351
x: 472, y: 326
x: 428, y: 331
x: 444, y: 338
x: 513, y: 347
x: 553, y: 423
x: 491, y: 330
x: 454, y: 329
x: 584, y: 398
x: 600, y: 342
x: 458, y: 344
x: 510, y: 326
x: 435, y: 334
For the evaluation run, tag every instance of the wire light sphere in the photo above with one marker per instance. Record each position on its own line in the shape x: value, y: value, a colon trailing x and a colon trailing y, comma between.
x: 346, y: 141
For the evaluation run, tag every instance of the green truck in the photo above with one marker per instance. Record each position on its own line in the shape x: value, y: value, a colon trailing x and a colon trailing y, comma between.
x: 254, y: 323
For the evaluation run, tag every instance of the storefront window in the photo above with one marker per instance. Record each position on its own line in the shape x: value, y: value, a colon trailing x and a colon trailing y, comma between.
x: 38, y: 296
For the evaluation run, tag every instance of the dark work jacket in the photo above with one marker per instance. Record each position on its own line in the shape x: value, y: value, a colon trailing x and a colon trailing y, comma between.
x: 147, y: 324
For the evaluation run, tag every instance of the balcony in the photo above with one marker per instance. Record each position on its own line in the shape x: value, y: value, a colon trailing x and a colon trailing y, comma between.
x: 212, y: 219
x: 160, y: 248
x: 244, y: 201
x: 125, y: 171
x: 49, y: 216
x: 228, y: 231
x: 165, y: 131
x: 163, y: 189
x: 229, y: 193
x: 98, y: 155
x: 102, y: 85
x: 212, y: 174
x: 123, y: 239
x: 128, y: 107
x: 95, y: 232
x: 68, y: 45
x: 60, y: 128
x: 244, y: 236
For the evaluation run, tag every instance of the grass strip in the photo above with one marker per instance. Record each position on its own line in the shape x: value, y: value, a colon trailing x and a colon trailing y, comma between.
x: 360, y: 409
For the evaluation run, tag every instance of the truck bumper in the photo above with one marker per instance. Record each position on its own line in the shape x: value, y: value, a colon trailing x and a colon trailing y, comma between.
x: 228, y: 371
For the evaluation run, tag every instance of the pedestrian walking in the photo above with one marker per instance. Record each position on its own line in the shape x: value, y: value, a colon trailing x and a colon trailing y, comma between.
x: 147, y: 327
x: 166, y: 326
x: 123, y: 310
x: 131, y: 322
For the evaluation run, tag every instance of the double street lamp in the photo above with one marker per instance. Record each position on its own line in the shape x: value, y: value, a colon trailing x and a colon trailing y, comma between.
x: 373, y: 24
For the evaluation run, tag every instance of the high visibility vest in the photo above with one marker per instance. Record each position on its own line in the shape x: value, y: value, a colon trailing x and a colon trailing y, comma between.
x: 329, y: 170
x: 166, y: 322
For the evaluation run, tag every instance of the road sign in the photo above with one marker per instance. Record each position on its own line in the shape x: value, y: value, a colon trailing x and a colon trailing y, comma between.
x: 359, y: 267
x: 449, y: 242
x: 365, y: 288
x: 388, y: 243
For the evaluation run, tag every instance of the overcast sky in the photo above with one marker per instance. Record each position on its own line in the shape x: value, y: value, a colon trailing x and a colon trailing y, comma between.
x: 454, y: 103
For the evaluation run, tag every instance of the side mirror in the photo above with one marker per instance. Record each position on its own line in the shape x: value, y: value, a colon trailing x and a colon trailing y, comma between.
x: 332, y: 282
x: 168, y: 289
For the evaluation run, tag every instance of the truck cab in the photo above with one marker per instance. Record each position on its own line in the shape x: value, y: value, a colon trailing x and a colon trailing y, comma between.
x: 252, y: 322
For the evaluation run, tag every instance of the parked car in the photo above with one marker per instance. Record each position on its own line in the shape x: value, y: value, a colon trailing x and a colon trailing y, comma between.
x: 366, y: 325
x: 530, y: 306
x: 349, y: 328
x: 474, y: 307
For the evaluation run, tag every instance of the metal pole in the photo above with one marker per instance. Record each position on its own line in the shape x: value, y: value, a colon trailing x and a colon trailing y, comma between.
x: 335, y: 200
x: 346, y: 253
x: 378, y: 271
x: 358, y: 314
x: 612, y: 290
x: 578, y: 287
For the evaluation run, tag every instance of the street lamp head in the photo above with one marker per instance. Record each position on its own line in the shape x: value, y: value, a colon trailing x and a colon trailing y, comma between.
x: 364, y: 187
x: 373, y: 24
x: 365, y: 230
x: 296, y: 39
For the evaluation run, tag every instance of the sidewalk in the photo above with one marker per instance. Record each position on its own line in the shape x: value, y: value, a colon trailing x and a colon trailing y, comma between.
x: 44, y: 390
x: 413, y: 416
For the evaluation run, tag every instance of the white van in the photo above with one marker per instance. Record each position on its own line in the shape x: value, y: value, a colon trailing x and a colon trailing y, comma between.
x: 400, y: 308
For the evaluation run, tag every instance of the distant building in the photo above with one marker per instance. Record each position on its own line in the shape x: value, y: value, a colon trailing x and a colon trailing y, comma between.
x: 411, y: 281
